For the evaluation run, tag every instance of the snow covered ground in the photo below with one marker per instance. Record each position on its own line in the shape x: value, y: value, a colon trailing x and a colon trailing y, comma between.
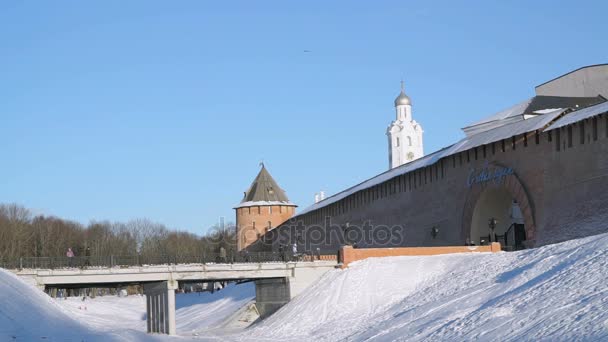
x: 196, y: 313
x: 552, y: 293
x: 27, y: 314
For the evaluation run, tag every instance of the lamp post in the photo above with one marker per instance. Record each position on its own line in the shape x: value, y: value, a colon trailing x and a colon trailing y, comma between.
x: 434, y: 232
x: 492, y: 224
x: 345, y: 230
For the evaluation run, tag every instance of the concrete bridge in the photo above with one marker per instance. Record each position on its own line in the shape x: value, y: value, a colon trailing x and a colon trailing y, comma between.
x: 276, y: 282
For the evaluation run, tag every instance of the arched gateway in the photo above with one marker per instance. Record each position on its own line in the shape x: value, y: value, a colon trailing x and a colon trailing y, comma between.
x: 495, y: 192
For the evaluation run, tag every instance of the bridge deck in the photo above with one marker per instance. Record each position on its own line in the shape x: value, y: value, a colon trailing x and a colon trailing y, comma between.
x: 182, y: 272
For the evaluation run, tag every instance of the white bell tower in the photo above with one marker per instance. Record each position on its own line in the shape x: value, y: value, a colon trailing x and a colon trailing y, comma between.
x: 404, y: 134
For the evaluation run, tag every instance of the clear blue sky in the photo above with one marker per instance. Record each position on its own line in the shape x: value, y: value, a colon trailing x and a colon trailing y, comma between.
x: 124, y: 109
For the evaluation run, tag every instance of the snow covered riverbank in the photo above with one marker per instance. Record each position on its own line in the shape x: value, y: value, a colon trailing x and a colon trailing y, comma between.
x: 195, y: 312
x: 552, y: 293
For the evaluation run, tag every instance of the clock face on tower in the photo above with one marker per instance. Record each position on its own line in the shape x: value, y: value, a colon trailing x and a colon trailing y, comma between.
x: 410, y: 156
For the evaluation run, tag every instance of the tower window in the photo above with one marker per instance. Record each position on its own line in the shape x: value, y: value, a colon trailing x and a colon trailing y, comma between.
x: 270, y: 209
x: 409, y: 141
x: 397, y: 142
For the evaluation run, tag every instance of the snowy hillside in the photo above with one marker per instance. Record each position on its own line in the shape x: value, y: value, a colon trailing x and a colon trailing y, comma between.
x: 553, y: 293
x: 27, y: 314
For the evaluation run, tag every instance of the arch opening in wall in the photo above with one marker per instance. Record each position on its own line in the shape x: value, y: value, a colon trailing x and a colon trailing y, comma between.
x: 497, y: 217
x: 507, y: 202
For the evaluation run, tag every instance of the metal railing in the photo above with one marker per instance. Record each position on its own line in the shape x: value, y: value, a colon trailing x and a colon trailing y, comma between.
x: 140, y: 260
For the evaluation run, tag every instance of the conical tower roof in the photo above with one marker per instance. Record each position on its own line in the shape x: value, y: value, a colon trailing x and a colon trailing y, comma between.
x: 264, y: 191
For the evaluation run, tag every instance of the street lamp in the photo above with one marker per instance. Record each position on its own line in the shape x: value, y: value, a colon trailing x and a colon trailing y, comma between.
x: 434, y: 232
x: 492, y: 224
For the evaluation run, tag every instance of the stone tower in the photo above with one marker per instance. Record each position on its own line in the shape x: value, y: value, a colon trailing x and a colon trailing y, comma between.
x: 404, y: 134
x: 264, y: 207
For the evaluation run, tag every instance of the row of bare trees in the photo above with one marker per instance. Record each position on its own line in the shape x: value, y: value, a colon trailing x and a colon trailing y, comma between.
x: 23, y: 234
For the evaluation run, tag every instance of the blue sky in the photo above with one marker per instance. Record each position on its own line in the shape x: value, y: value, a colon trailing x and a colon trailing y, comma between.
x: 125, y: 109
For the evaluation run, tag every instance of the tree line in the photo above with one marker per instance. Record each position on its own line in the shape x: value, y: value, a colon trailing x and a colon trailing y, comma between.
x: 23, y: 234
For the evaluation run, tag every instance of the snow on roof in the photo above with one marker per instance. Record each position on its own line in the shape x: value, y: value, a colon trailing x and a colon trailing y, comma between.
x: 503, y: 125
x: 515, y: 110
x: 546, y: 111
x: 263, y: 203
x: 483, y: 138
x: 579, y: 115
x: 537, y: 105
x: 509, y: 130
x: 403, y: 169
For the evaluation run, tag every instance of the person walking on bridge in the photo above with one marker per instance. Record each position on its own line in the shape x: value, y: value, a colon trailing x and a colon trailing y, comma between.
x: 87, y: 256
x: 70, y: 255
x: 222, y: 254
x: 294, y: 250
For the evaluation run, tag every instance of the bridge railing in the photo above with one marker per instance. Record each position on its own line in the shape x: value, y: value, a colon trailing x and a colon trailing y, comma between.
x: 140, y: 260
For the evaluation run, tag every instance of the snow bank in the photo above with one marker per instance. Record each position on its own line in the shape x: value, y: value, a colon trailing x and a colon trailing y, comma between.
x: 553, y: 293
x: 27, y: 314
x: 196, y: 313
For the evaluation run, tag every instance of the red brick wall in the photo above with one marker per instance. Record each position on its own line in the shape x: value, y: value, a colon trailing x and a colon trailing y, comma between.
x: 253, y: 222
x: 349, y: 254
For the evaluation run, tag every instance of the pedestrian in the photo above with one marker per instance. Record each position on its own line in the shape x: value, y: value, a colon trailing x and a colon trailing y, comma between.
x: 87, y: 256
x: 222, y: 254
x: 246, y: 256
x: 70, y: 255
x: 294, y: 250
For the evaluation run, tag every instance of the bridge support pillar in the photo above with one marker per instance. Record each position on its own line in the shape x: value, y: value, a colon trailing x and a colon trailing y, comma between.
x: 271, y: 295
x: 160, y: 306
